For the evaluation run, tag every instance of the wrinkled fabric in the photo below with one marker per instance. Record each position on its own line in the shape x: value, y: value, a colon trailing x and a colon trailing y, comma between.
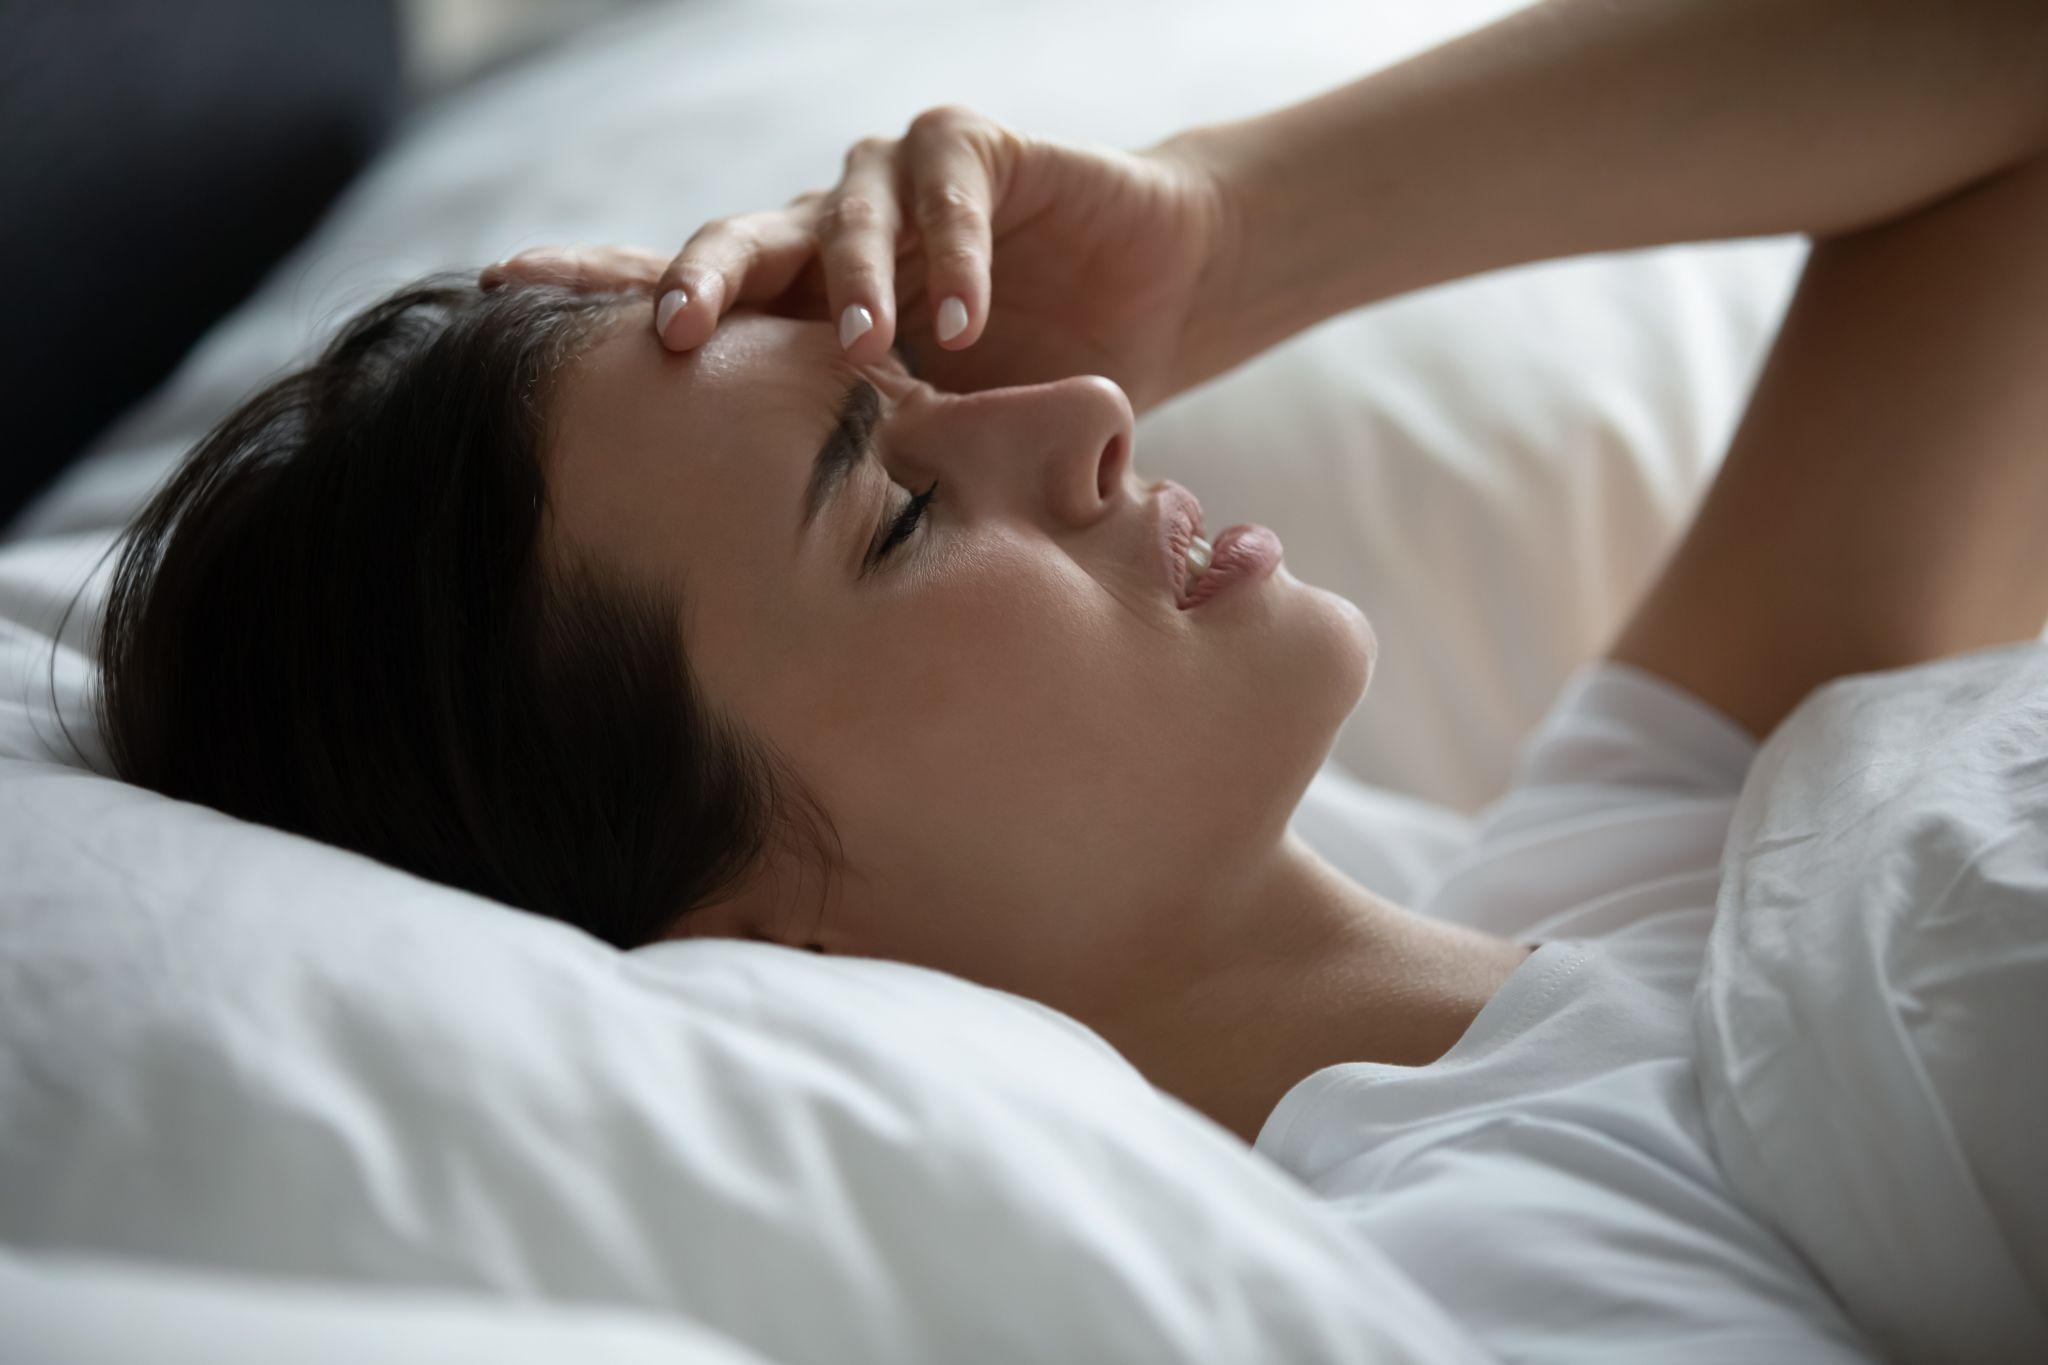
x: 1549, y: 1179
x: 1872, y: 1014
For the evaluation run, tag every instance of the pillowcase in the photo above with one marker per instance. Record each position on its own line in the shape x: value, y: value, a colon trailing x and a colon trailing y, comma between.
x: 80, y: 1310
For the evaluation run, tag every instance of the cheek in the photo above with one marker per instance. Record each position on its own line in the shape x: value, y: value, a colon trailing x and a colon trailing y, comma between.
x: 985, y: 681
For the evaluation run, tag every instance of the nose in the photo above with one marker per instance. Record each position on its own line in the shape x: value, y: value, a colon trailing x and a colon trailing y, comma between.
x: 1063, y: 449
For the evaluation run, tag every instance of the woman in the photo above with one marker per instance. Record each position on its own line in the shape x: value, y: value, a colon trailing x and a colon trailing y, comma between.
x: 830, y: 609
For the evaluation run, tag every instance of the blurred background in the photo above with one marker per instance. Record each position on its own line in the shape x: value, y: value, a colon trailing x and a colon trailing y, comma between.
x: 1490, y: 469
x: 160, y: 157
x: 447, y: 42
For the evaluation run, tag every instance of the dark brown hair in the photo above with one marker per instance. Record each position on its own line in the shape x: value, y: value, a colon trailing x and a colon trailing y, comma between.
x: 338, y: 618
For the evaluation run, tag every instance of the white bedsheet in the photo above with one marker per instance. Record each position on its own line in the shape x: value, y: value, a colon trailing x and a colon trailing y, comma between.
x: 1874, y: 1007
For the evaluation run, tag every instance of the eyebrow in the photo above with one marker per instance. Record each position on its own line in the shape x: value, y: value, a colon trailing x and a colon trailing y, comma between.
x: 845, y: 447
x: 853, y: 431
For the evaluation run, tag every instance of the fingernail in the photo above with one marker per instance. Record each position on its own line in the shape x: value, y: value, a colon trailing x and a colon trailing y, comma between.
x: 952, y: 318
x: 854, y: 324
x: 665, y: 312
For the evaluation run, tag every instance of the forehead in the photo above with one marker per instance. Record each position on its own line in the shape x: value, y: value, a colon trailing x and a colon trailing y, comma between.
x: 754, y: 366
x: 659, y: 463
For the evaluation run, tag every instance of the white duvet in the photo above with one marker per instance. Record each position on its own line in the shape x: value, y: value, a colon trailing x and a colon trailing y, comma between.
x: 262, y: 1100
x: 1873, y: 1012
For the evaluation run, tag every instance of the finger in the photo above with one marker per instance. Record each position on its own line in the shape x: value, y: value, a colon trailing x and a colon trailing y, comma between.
x: 950, y: 198
x: 587, y: 269
x: 726, y: 262
x: 857, y: 227
x: 526, y: 265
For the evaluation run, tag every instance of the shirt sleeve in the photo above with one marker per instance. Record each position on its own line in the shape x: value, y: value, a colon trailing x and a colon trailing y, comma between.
x: 1617, y: 810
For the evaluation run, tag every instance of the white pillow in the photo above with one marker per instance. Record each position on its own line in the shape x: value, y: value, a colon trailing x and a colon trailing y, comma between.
x: 1492, y: 470
x: 72, y: 1310
x: 233, y: 1048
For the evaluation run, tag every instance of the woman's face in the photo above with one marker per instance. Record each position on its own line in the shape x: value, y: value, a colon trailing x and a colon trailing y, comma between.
x: 1036, y: 763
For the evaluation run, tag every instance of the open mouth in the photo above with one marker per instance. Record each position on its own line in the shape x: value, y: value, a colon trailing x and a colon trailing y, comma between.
x: 1198, y: 556
x: 1200, y: 568
x: 1185, y: 553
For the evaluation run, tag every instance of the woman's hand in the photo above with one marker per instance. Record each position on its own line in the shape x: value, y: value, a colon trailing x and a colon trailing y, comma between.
x: 996, y: 258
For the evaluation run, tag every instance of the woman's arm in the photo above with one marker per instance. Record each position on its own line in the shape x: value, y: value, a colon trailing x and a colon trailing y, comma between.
x: 1589, y: 125
x: 1884, y: 499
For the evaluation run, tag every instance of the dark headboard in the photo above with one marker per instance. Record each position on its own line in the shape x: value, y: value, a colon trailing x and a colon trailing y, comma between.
x: 157, y: 159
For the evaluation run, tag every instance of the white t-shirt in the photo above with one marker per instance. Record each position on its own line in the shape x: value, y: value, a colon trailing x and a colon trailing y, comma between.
x: 1549, y: 1180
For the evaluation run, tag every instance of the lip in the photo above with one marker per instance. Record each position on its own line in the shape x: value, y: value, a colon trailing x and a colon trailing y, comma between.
x: 1180, y: 521
x: 1239, y: 557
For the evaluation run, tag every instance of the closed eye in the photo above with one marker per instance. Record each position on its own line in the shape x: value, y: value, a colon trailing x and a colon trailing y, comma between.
x: 900, y: 529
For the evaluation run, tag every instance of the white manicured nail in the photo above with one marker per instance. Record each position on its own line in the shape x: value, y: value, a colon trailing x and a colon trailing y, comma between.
x: 854, y: 324
x: 671, y: 304
x: 952, y: 318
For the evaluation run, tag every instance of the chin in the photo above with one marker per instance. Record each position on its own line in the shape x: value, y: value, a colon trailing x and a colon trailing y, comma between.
x: 1315, y: 660
x: 1337, y: 649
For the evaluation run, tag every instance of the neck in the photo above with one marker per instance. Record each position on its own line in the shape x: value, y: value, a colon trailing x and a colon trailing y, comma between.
x: 1297, y: 967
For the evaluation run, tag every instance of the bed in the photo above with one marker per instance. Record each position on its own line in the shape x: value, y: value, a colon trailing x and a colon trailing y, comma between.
x: 260, y: 1099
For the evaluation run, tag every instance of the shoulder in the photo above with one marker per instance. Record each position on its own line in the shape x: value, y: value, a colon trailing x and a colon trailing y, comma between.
x: 1617, y: 812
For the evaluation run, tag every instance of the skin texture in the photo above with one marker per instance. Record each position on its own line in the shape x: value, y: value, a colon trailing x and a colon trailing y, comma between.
x: 1015, y: 680
x: 1044, y: 776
